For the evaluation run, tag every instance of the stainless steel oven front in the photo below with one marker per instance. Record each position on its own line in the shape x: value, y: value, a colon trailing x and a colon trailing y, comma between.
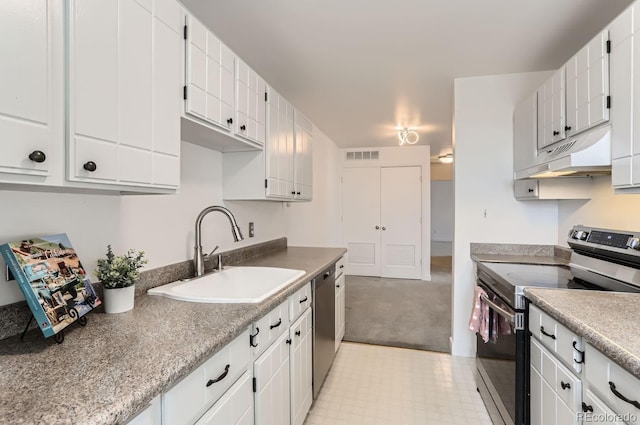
x: 502, y: 364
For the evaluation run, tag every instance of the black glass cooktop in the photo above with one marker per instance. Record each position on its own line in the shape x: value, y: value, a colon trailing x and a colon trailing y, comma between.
x: 532, y: 274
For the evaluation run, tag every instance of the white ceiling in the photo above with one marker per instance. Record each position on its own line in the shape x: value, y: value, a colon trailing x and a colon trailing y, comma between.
x: 360, y: 68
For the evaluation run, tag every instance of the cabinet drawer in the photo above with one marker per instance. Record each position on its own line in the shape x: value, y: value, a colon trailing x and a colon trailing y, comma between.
x: 269, y: 328
x: 568, y: 388
x: 191, y: 397
x: 593, y: 407
x: 607, y: 378
x: 235, y: 407
x: 565, y: 344
x: 340, y: 266
x: 299, y: 301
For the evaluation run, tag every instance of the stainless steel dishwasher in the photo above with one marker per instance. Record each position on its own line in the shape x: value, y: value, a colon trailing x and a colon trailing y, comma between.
x: 324, y: 328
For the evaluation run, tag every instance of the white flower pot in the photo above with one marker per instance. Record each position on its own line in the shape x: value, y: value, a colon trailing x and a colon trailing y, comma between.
x: 118, y: 300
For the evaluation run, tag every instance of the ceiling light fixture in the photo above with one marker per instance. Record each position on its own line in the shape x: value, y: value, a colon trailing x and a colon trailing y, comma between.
x: 407, y: 136
x: 446, y: 159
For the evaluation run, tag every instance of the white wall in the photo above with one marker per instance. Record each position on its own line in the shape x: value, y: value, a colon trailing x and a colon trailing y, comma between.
x: 441, y: 217
x: 605, y: 209
x: 163, y: 225
x: 485, y: 209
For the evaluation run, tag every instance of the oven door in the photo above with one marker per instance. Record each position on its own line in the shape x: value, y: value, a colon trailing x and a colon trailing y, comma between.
x: 501, y: 367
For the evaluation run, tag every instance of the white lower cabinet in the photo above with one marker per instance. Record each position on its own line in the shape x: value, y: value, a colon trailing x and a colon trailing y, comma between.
x: 272, y: 387
x: 234, y: 408
x: 301, y: 372
x: 618, y: 390
x: 190, y: 398
x: 152, y: 415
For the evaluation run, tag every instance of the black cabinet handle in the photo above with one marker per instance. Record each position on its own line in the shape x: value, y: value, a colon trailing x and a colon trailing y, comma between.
x: 253, y: 336
x: 37, y: 156
x: 555, y: 133
x: 288, y: 341
x: 298, y: 333
x: 293, y: 192
x: 219, y: 378
x: 565, y: 385
x: 586, y: 407
x: 567, y: 128
x: 326, y: 275
x: 337, y: 286
x: 277, y: 324
x: 342, y: 266
x: 634, y: 403
x: 546, y: 334
x: 581, y: 353
x: 90, y: 166
x: 304, y: 300
x: 230, y: 121
x: 243, y: 127
x: 297, y: 193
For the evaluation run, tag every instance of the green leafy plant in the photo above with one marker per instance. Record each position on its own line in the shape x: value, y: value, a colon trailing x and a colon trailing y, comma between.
x: 120, y: 271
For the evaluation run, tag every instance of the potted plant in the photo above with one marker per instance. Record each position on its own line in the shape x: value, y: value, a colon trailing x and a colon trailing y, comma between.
x: 118, y: 275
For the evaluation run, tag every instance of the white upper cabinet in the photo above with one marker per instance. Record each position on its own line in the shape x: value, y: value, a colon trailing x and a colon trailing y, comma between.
x: 303, y: 180
x: 279, y: 148
x: 551, y: 109
x: 251, y: 100
x: 124, y: 92
x: 27, y: 85
x: 209, y: 77
x: 625, y: 89
x: 588, y: 86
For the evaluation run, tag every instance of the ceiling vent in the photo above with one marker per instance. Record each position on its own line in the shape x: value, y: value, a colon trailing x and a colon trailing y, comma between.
x: 363, y: 155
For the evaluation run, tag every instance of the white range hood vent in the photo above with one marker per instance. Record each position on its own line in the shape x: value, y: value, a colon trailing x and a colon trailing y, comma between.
x: 587, y: 154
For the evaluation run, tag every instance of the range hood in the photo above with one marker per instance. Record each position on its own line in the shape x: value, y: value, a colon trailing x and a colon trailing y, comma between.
x: 586, y: 154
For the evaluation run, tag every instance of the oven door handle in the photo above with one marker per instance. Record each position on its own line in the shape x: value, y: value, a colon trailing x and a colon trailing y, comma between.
x: 511, y: 317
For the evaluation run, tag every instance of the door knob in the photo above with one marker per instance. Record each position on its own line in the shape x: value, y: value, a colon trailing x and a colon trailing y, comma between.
x: 384, y: 228
x: 377, y: 227
x: 90, y: 166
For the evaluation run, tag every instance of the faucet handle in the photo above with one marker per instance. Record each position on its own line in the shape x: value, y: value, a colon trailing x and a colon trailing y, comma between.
x: 207, y: 256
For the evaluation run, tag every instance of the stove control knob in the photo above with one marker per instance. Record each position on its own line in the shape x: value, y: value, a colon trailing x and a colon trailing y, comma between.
x: 580, y: 235
x: 634, y: 243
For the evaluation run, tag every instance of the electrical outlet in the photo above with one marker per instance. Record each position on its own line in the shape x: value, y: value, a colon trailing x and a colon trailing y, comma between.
x: 251, y: 232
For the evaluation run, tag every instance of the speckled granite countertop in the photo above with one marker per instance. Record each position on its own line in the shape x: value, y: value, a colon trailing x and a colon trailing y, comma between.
x: 607, y: 320
x: 520, y: 259
x: 110, y: 369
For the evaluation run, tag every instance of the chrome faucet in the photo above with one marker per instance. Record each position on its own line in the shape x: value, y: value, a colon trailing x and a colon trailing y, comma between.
x: 199, y: 257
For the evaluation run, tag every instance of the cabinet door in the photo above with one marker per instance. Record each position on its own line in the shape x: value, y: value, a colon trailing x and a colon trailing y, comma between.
x: 271, y: 396
x: 251, y: 104
x: 301, y: 368
x: 124, y: 78
x: 235, y: 407
x: 152, y: 415
x: 551, y: 109
x: 587, y: 75
x: 26, y: 84
x: 278, y: 153
x: 303, y: 159
x: 209, y: 77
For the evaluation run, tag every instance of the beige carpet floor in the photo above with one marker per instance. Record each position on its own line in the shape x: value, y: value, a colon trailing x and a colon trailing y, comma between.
x: 401, y: 312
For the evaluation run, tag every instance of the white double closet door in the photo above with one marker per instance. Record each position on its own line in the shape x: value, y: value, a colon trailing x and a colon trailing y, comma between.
x: 381, y: 221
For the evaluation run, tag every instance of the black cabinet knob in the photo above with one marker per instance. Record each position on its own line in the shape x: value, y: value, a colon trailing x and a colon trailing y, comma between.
x: 37, y: 156
x: 586, y: 407
x: 297, y: 333
x: 293, y: 192
x: 555, y: 133
x: 90, y: 166
x: 567, y: 128
x: 230, y: 121
x: 243, y: 127
x: 297, y: 193
x: 530, y: 190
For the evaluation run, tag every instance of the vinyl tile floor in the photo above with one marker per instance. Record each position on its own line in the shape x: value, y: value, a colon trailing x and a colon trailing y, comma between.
x: 377, y: 385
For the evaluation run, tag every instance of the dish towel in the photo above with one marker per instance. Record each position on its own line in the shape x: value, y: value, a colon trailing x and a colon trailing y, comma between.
x: 503, y: 327
x: 479, y: 321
